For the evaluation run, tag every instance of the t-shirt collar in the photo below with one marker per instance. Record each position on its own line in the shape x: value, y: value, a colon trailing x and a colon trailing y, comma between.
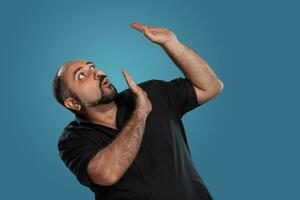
x: 79, y: 119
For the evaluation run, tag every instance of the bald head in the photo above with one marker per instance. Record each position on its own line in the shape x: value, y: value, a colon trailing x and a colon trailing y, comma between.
x: 67, y: 65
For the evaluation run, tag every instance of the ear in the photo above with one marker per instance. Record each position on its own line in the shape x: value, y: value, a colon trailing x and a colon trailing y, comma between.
x: 72, y: 104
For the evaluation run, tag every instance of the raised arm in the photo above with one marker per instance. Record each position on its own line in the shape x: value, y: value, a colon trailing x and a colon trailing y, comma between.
x: 111, y: 162
x: 206, y: 84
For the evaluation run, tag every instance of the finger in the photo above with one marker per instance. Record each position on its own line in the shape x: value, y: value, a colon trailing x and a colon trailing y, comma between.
x: 131, y: 84
x: 153, y: 28
x: 128, y: 77
x: 148, y: 27
x: 150, y: 35
x: 138, y: 26
x: 141, y: 27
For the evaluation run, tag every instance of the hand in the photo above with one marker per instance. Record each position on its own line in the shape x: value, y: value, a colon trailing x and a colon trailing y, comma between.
x: 158, y: 35
x: 142, y: 103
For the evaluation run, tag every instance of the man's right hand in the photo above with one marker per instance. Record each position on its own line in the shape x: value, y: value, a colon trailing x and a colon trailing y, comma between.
x: 143, y: 105
x: 110, y: 163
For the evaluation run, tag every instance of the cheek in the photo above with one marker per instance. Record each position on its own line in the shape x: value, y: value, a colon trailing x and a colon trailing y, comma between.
x: 89, y: 92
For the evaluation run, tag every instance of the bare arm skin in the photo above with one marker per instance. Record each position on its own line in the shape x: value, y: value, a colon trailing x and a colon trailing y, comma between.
x: 205, y: 82
x: 110, y: 163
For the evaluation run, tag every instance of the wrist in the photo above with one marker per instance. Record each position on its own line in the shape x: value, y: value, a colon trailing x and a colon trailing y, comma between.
x: 170, y: 43
x: 139, y: 115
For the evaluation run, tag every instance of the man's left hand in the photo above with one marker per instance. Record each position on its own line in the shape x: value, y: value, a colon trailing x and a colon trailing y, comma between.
x: 159, y: 35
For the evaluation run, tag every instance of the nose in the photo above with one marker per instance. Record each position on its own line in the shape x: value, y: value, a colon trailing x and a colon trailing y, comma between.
x: 98, y: 74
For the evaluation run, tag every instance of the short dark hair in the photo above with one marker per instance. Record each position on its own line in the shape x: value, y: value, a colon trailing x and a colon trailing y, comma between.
x: 61, y: 91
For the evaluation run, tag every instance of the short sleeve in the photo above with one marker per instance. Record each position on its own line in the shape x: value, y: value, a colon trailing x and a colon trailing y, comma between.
x: 181, y: 94
x: 76, y: 150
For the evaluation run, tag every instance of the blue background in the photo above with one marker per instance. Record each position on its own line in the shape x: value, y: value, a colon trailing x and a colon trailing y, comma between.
x: 244, y: 142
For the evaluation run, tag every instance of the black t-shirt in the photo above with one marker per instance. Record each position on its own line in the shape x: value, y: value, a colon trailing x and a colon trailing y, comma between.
x: 163, y: 168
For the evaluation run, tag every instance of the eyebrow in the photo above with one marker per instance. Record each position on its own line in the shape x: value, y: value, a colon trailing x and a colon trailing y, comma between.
x: 79, y: 68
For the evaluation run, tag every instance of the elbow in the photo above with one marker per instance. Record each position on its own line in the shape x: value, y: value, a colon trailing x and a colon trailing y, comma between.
x: 221, y: 86
x: 101, y: 177
x: 218, y: 88
x: 103, y: 180
x: 112, y: 180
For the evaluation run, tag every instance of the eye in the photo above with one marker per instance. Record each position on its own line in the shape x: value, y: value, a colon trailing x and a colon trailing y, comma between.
x: 80, y: 75
x: 92, y: 66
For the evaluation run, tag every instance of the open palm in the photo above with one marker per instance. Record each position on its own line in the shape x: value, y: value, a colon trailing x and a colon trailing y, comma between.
x: 158, y: 35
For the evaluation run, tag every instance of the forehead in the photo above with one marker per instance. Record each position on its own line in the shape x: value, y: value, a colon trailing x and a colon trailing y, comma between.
x: 66, y: 70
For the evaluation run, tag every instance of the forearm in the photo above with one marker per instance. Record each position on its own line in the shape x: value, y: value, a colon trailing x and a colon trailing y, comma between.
x: 112, y: 161
x: 192, y: 65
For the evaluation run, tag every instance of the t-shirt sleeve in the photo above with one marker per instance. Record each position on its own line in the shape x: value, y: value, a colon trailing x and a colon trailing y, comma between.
x: 180, y: 94
x: 76, y: 150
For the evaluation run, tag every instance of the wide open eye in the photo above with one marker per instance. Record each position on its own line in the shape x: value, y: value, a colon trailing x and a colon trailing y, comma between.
x: 81, y: 76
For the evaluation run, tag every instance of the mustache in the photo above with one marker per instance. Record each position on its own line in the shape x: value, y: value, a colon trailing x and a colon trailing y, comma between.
x: 102, y: 77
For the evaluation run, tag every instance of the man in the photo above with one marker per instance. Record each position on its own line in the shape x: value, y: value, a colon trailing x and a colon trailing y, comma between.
x: 132, y: 144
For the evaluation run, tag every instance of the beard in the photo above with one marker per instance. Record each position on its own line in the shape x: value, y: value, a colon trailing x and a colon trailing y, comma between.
x: 107, y: 97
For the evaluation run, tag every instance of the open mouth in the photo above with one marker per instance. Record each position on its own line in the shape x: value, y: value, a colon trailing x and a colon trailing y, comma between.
x: 105, y: 82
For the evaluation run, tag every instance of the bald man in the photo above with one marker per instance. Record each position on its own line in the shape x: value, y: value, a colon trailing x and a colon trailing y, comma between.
x: 132, y: 144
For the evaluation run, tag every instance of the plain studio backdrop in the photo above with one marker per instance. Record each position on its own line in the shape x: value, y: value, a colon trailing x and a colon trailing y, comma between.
x: 244, y: 142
